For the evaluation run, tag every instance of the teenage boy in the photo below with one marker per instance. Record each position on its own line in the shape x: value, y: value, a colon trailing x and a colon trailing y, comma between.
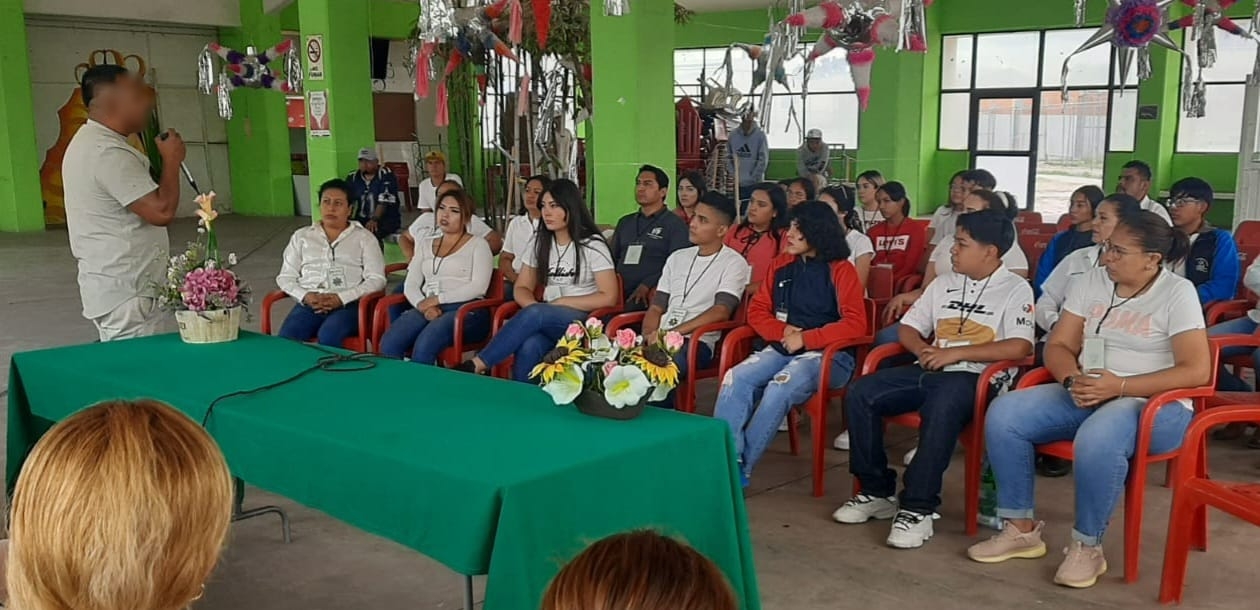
x: 644, y: 239
x: 981, y: 314
x: 1212, y: 265
x: 699, y: 285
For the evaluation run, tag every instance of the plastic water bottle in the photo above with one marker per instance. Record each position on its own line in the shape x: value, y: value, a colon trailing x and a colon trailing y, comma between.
x: 988, y: 500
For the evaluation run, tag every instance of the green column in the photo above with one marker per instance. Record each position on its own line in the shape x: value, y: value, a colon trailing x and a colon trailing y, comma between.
x: 21, y: 205
x: 258, y: 134
x: 347, y: 84
x: 632, y: 59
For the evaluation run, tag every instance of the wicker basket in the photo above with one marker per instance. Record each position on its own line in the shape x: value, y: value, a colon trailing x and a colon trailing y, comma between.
x: 217, y: 326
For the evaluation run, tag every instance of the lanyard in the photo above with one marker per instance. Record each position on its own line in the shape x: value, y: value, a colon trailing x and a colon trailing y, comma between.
x: 639, y: 232
x: 1113, y: 305
x: 687, y: 289
x: 751, y: 240
x: 967, y: 311
x: 559, y: 256
x: 439, y: 258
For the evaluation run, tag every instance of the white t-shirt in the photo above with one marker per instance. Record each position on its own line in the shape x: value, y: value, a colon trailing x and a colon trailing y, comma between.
x: 961, y: 311
x: 1055, y: 289
x: 868, y: 218
x: 121, y: 256
x: 425, y: 227
x: 456, y: 278
x: 1150, y: 205
x: 1138, y: 332
x: 693, y: 283
x: 563, y: 279
x: 519, y: 237
x: 944, y: 221
x: 427, y: 199
x: 859, y: 245
x: 1013, y: 260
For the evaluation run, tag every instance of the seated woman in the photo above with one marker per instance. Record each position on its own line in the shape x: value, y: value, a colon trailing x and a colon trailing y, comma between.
x: 121, y: 506
x: 868, y: 212
x: 521, y: 229
x: 639, y: 570
x: 800, y: 190
x: 759, y: 238
x: 940, y: 228
x: 1079, y: 236
x: 418, y: 230
x: 810, y: 298
x: 861, y: 250
x: 327, y: 268
x: 691, y: 188
x: 452, y: 270
x: 899, y: 240
x: 1126, y: 333
x: 575, y: 281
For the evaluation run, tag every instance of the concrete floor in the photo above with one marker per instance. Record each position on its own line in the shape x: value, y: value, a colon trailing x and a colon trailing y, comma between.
x: 804, y: 560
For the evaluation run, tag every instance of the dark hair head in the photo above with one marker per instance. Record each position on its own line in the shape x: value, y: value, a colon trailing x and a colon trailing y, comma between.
x: 821, y: 229
x: 962, y: 173
x: 990, y: 228
x: 99, y: 76
x: 642, y: 570
x: 465, y: 202
x: 897, y: 192
x: 981, y: 178
x: 845, y: 200
x: 1142, y: 168
x: 662, y: 178
x: 449, y: 183
x: 778, y: 199
x: 1003, y: 202
x: 1125, y: 204
x: 696, y: 179
x: 1092, y: 193
x: 579, y: 222
x: 870, y: 175
x: 807, y: 184
x: 335, y: 183
x: 1156, y: 235
x: 785, y: 183
x: 1195, y: 188
x: 723, y: 205
x: 542, y: 179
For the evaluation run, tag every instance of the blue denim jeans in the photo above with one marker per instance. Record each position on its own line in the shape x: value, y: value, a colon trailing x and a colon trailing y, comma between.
x: 945, y: 402
x: 1225, y: 380
x: 704, y: 357
x: 782, y: 381
x: 400, y: 308
x: 330, y: 329
x: 887, y: 334
x: 1103, y: 437
x: 529, y: 335
x: 425, y: 339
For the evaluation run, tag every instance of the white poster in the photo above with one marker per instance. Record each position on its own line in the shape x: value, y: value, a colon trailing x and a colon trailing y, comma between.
x: 317, y: 122
x: 315, y: 57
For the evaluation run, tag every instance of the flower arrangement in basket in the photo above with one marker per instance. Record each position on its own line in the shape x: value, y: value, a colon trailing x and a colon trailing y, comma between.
x: 609, y: 376
x: 206, y: 296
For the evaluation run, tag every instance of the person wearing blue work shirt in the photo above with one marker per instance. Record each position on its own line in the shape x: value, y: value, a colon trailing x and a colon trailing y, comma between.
x: 374, y: 196
x: 1212, y: 265
x: 644, y: 239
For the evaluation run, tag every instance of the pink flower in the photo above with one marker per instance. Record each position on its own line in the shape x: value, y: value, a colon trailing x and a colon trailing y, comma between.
x: 209, y: 288
x: 609, y: 366
x: 673, y: 340
x: 626, y: 338
x: 574, y: 331
x: 594, y: 323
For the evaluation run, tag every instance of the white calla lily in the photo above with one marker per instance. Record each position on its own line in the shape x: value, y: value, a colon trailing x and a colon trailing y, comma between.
x: 565, y: 386
x: 625, y: 386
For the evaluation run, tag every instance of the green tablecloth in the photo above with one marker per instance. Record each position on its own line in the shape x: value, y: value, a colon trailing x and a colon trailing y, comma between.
x: 483, y: 475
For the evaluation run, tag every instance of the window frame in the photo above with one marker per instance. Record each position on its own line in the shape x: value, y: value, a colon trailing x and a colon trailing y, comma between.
x: 1207, y: 84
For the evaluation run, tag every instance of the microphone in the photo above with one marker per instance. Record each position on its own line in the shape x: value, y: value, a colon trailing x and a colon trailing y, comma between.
x: 183, y: 168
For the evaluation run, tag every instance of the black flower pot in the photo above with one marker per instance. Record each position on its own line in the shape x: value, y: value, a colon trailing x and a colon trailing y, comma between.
x: 592, y: 403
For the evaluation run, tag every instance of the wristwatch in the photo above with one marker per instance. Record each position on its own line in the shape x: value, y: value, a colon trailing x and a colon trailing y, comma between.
x: 1068, y: 381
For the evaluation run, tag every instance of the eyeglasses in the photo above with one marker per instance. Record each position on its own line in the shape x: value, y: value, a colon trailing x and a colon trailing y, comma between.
x: 1114, y: 250
x: 1181, y: 202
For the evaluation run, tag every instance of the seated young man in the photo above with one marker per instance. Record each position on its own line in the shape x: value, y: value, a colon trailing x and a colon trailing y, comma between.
x: 644, y: 239
x: 980, y: 314
x: 1212, y: 265
x: 699, y: 285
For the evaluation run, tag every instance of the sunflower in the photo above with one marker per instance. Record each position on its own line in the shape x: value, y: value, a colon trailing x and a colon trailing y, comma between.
x: 658, y: 365
x: 566, y: 354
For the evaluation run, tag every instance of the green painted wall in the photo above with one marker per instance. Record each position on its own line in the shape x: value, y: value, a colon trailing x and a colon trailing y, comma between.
x: 21, y: 204
x: 386, y: 18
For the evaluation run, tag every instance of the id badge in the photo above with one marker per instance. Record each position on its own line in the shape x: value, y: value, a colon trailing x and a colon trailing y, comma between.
x: 674, y: 317
x: 551, y: 293
x: 1094, y: 354
x: 336, y: 278
x: 432, y: 288
x: 633, y: 254
x: 781, y: 315
x: 957, y: 367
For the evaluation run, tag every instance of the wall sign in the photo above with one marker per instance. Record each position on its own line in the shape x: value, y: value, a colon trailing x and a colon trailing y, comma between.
x: 318, y: 120
x: 315, y: 57
x: 1148, y: 113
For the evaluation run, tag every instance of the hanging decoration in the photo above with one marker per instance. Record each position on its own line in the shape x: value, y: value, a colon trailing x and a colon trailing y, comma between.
x: 249, y: 69
x: 616, y: 8
x: 1131, y: 26
x: 1203, y: 21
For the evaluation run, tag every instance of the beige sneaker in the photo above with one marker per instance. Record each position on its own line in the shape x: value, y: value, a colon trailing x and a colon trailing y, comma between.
x: 1082, y: 566
x: 1010, y: 544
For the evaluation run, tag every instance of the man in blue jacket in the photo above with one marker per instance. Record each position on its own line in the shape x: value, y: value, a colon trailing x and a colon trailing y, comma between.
x: 1213, y: 262
x: 374, y: 201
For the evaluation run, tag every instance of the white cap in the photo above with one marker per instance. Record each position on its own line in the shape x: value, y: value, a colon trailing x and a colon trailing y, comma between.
x: 813, y: 133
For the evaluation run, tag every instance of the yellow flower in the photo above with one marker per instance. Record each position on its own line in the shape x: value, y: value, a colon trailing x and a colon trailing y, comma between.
x: 205, y: 208
x: 566, y: 354
x: 657, y: 365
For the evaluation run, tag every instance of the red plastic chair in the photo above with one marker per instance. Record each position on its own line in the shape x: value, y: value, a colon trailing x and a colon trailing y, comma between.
x: 1026, y: 217
x: 685, y: 394
x: 454, y: 354
x: 1248, y: 232
x: 738, y: 345
x: 357, y: 343
x: 1034, y: 245
x: 690, y: 153
x: 1194, y: 492
x: 1065, y: 222
x: 972, y: 437
x: 504, y: 312
x: 880, y: 287
x: 1135, y: 487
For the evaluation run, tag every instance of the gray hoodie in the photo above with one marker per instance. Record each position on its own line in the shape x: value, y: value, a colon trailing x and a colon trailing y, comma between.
x: 809, y: 162
x: 753, y: 151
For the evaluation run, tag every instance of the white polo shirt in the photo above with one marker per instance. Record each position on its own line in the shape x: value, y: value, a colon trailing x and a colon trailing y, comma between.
x: 121, y: 256
x: 1055, y: 289
x: 693, y: 283
x: 519, y: 237
x: 1150, y: 205
x: 427, y: 198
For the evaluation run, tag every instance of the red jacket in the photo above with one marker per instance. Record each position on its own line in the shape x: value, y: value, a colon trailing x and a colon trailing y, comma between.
x: 850, y: 302
x: 901, y: 247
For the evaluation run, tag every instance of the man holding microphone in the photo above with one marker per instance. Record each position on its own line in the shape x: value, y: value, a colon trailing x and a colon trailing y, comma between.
x: 116, y: 215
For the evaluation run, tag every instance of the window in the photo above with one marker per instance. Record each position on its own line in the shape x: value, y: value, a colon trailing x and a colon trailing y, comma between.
x: 1218, y: 131
x: 831, y: 106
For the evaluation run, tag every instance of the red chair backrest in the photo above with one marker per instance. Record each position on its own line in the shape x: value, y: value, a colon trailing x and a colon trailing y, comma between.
x: 879, y: 283
x: 1034, y: 245
x: 1065, y: 223
x: 1027, y: 217
x: 1248, y: 232
x: 688, y: 125
x: 1247, y: 254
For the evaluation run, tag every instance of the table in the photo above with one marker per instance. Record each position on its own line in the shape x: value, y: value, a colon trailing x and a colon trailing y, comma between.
x: 483, y: 475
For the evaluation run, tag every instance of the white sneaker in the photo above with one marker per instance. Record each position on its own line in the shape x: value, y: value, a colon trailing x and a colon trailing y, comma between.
x: 842, y: 441
x: 910, y: 530
x: 862, y: 508
x: 783, y: 425
x: 909, y: 457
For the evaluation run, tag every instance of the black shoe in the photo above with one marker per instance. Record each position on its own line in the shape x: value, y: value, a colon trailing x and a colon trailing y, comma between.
x: 467, y: 366
x: 1053, y: 467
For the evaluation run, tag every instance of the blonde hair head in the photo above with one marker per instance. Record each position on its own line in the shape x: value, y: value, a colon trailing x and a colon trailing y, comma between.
x: 121, y: 506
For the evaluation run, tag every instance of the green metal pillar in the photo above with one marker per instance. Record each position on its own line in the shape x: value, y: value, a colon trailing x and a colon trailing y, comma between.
x: 21, y: 205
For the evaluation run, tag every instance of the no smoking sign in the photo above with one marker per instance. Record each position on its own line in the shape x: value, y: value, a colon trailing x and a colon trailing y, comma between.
x: 315, y: 57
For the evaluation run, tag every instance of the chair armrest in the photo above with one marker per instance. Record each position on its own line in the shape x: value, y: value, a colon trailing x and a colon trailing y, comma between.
x: 503, y: 314
x: 380, y: 318
x: 1221, y: 342
x: 268, y: 301
x: 393, y: 268
x: 878, y: 355
x: 693, y: 346
x: 1146, y: 423
x: 1220, y: 311
x: 984, y: 384
x: 624, y: 320
x: 1189, y: 466
x: 863, y: 344
x: 606, y: 312
x: 1035, y: 377
x: 732, y: 351
x: 910, y: 282
x: 466, y: 310
x: 366, y: 303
